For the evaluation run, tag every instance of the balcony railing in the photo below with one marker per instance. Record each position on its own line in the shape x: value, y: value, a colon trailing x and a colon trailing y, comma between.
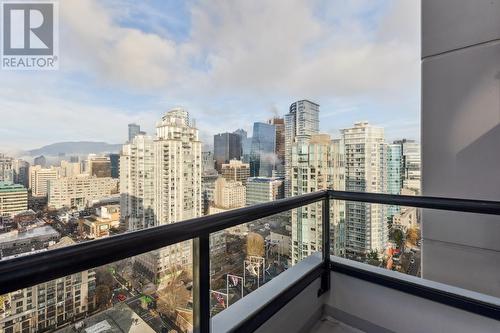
x: 41, y: 267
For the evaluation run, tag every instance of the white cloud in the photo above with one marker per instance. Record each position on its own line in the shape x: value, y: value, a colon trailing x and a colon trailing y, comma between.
x: 283, y: 47
x: 239, y: 59
x: 280, y: 47
x: 93, y: 42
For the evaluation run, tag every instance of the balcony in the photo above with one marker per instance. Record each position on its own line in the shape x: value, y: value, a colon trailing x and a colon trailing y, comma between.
x: 322, y: 293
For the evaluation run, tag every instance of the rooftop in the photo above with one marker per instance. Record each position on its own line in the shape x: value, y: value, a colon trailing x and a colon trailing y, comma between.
x: 45, y: 230
x: 117, y: 319
x: 10, y: 187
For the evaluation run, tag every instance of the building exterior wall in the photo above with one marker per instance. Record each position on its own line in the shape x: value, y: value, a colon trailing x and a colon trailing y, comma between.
x: 301, y: 122
x: 137, y: 183
x: 263, y: 151
x: 100, y: 166
x: 161, y: 184
x: 227, y: 146
x: 49, y: 305
x: 6, y: 169
x: 229, y: 194
x: 316, y: 165
x: 236, y: 170
x: 365, y: 171
x: 79, y: 191
x: 13, y: 199
x: 263, y: 189
x: 460, y: 136
x: 39, y: 179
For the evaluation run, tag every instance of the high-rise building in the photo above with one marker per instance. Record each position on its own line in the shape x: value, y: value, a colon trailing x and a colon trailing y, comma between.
x: 264, y: 189
x: 39, y: 179
x: 403, y: 169
x: 79, y: 191
x: 236, y: 170
x: 137, y: 182
x: 178, y: 166
x: 317, y: 164
x: 50, y: 305
x: 227, y: 146
x: 394, y: 177
x: 6, y: 169
x: 263, y: 151
x: 208, y: 179
x: 13, y: 199
x: 301, y: 122
x: 411, y: 164
x: 160, y: 182
x: 114, y: 159
x: 246, y: 144
x: 366, y: 226
x: 133, y: 130
x: 41, y: 161
x: 21, y: 172
x: 279, y: 124
x: 99, y: 166
x: 207, y: 161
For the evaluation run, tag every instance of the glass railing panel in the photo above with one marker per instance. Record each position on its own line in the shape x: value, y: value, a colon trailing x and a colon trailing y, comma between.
x: 385, y: 236
x: 151, y: 292
x: 247, y: 257
x: 454, y: 248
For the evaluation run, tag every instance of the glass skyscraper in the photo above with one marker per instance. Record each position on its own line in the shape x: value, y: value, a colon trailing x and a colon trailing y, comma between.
x: 227, y: 146
x: 263, y: 151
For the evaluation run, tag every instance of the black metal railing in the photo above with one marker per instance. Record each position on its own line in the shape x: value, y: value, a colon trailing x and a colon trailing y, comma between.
x: 41, y: 267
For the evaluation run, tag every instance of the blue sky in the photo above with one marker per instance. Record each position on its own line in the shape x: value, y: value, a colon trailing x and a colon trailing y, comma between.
x: 230, y: 63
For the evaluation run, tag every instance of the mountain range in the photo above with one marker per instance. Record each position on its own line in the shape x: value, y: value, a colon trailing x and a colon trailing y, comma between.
x: 75, y: 148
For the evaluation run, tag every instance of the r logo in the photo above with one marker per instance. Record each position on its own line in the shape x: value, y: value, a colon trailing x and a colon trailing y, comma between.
x: 28, y: 29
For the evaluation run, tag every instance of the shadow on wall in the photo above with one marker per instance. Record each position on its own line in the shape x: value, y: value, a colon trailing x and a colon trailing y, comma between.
x: 478, y: 154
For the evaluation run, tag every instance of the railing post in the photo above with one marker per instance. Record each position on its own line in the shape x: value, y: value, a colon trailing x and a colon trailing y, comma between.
x: 325, y: 277
x: 201, y: 284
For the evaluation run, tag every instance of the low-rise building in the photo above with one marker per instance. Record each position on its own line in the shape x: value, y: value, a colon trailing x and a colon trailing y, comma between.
x: 106, y: 218
x: 280, y: 241
x: 408, y: 218
x: 16, y: 242
x: 264, y: 189
x: 80, y: 191
x: 229, y: 194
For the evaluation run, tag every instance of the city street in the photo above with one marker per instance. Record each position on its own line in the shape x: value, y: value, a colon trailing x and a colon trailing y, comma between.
x: 159, y: 323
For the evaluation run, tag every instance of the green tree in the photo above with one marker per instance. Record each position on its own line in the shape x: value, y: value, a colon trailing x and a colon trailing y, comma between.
x: 397, y: 236
x: 372, y: 258
x: 102, y: 296
x: 373, y: 255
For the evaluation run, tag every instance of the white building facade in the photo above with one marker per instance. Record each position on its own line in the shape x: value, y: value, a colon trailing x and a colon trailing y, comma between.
x: 365, y: 171
x: 79, y: 191
x: 316, y: 165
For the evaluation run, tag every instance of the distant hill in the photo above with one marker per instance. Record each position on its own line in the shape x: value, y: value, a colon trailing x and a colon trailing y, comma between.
x: 76, y: 148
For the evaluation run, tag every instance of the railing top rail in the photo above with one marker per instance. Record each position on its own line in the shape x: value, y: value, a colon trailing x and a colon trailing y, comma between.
x: 440, y: 203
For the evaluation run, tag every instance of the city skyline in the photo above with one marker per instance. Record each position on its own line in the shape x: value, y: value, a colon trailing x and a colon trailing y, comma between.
x: 211, y: 78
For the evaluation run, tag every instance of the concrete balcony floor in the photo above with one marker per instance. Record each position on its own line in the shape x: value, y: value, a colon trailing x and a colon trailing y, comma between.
x: 329, y: 324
